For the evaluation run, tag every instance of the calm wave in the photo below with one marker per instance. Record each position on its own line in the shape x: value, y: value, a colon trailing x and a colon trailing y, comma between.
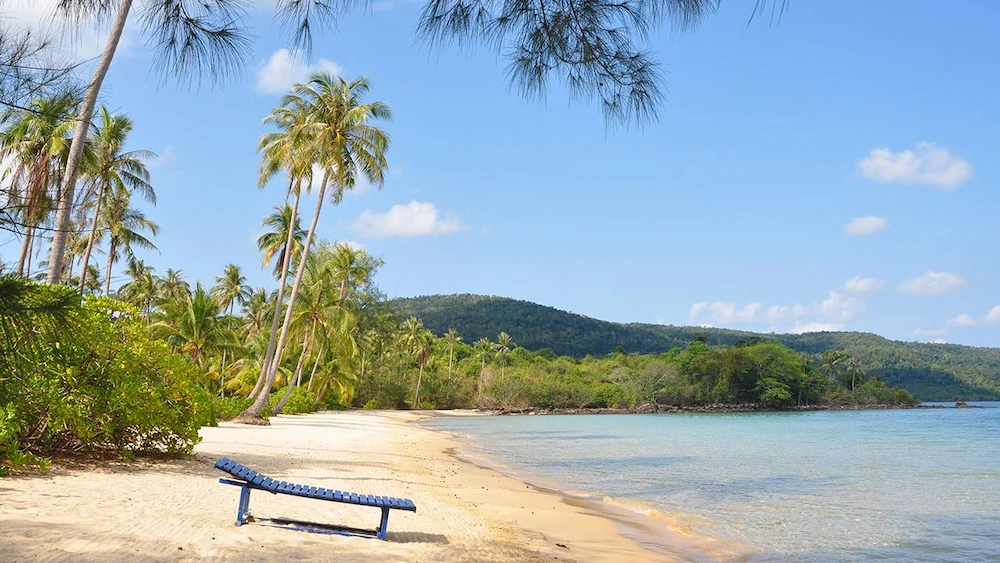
x: 896, y: 485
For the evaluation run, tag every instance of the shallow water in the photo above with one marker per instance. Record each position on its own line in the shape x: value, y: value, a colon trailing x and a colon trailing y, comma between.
x: 885, y: 485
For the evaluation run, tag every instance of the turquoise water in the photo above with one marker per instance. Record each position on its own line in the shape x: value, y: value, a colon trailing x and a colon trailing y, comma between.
x: 887, y: 485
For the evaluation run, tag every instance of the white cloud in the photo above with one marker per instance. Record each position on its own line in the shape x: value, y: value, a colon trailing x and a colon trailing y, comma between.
x: 927, y: 164
x: 864, y: 226
x: 285, y: 68
x: 939, y: 341
x: 801, y: 328
x: 993, y: 316
x: 840, y: 306
x: 415, y: 219
x: 930, y: 331
x: 361, y: 183
x: 722, y: 312
x: 932, y: 283
x: 964, y: 319
x: 858, y: 284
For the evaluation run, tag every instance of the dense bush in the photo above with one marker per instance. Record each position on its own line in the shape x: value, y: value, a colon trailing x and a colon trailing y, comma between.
x: 87, y: 376
x: 301, y: 401
x: 226, y: 408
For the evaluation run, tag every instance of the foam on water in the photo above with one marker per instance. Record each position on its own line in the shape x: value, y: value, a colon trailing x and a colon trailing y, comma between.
x: 817, y: 486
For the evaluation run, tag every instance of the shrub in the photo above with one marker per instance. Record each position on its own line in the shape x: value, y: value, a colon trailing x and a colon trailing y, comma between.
x: 301, y: 401
x: 95, y: 379
x: 226, y: 408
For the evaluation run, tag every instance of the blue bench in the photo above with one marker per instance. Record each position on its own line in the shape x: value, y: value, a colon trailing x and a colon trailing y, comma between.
x: 249, y: 479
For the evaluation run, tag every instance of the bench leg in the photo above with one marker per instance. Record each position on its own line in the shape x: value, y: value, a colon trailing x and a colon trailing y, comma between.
x: 244, y: 510
x: 385, y: 522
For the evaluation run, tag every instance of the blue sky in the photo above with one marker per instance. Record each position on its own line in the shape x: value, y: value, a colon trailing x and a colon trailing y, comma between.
x: 833, y: 172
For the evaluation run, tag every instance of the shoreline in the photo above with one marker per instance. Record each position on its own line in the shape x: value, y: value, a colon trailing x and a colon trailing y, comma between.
x: 176, y: 510
x: 714, y: 409
x: 649, y: 526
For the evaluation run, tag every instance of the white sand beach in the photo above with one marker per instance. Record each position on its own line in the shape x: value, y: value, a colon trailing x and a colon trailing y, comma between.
x: 178, y: 511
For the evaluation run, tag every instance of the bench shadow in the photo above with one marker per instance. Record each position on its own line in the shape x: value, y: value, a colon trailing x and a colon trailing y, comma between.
x: 416, y: 537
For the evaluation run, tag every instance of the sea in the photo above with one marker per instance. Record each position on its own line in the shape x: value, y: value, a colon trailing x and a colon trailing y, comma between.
x: 825, y: 486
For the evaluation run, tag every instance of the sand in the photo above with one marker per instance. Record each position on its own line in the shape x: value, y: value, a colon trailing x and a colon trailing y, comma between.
x: 178, y: 511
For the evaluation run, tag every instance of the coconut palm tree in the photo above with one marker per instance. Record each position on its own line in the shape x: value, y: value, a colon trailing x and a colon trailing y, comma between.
x: 142, y: 289
x: 173, y: 287
x: 231, y: 288
x: 201, y: 38
x: 485, y: 350
x: 196, y: 327
x: 504, y: 345
x: 113, y: 172
x: 255, y: 312
x: 452, y: 338
x: 273, y: 241
x: 125, y: 226
x: 288, y: 150
x: 352, y: 266
x: 35, y: 141
x: 344, y: 143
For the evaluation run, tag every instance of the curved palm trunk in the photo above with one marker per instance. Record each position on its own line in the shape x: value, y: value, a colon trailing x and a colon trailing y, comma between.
x: 64, y: 204
x: 90, y: 240
x: 107, y: 277
x: 312, y: 374
x: 257, y: 407
x: 276, y: 317
x: 25, y: 249
x: 420, y: 378
x: 294, y: 381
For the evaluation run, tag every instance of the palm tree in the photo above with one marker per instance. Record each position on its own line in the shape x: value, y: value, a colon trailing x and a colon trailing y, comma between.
x: 35, y: 140
x: 273, y: 241
x: 173, y: 287
x: 504, y: 346
x: 339, y: 135
x: 452, y: 338
x: 255, y: 312
x: 195, y: 327
x: 204, y: 40
x: 142, y: 289
x: 286, y: 149
x: 352, y: 266
x: 124, y: 226
x: 485, y: 350
x: 855, y: 370
x: 325, y: 324
x: 231, y: 288
x: 113, y: 172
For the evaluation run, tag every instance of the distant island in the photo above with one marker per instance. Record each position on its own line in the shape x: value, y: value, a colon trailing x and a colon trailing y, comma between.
x: 931, y: 372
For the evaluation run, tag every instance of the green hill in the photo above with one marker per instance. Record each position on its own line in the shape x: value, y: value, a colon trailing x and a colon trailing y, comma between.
x: 932, y: 372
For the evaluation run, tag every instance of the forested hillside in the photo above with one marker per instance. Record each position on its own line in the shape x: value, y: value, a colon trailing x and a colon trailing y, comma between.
x: 930, y: 371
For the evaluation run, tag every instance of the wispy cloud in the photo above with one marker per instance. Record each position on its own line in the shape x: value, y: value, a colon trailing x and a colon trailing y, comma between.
x: 864, y: 226
x: 927, y: 164
x: 992, y: 317
x: 415, y: 219
x: 932, y: 283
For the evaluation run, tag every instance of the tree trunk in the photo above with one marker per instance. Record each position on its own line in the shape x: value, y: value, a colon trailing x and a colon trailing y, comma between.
x: 276, y: 317
x: 420, y: 377
x: 90, y: 241
x: 257, y: 407
x: 312, y: 374
x: 25, y: 247
x: 31, y: 250
x: 65, y: 203
x: 293, y: 382
x: 451, y: 355
x: 111, y: 255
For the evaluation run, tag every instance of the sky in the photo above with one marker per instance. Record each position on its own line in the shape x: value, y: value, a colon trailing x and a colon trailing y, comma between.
x: 834, y: 171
